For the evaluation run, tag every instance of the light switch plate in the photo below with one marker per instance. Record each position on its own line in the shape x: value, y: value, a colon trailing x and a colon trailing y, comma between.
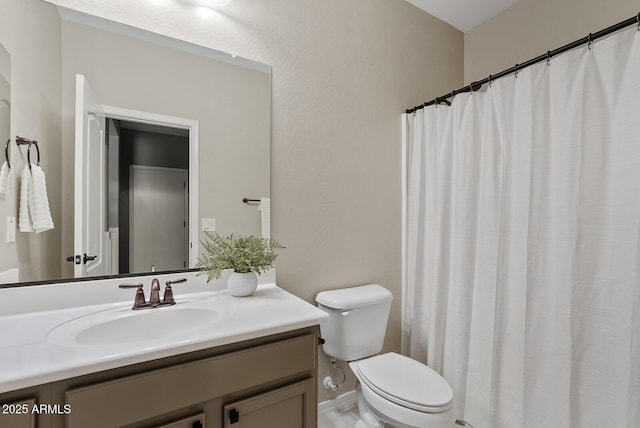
x: 208, y: 224
x: 11, y: 230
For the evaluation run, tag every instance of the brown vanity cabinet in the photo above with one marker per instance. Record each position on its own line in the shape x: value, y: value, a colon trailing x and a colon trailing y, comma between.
x: 270, y: 382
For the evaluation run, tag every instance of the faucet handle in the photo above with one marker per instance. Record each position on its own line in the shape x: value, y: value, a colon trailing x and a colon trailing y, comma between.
x: 139, y: 300
x: 130, y: 285
x: 168, y: 299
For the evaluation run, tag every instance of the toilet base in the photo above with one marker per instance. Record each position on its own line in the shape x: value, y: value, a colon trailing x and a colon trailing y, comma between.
x: 367, y: 418
x: 370, y: 417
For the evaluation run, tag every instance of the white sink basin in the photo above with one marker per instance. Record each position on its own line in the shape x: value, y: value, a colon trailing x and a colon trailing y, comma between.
x: 121, y: 326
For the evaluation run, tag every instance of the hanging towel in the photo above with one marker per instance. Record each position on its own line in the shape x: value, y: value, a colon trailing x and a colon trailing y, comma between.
x: 5, y: 182
x: 24, y: 218
x: 265, y: 217
x: 39, y: 201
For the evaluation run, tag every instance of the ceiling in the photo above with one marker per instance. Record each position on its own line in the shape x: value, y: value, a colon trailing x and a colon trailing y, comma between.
x: 463, y: 14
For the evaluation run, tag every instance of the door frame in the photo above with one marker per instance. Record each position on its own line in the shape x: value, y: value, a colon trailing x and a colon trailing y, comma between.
x: 192, y: 125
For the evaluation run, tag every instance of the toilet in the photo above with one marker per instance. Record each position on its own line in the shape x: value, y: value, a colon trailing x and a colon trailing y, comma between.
x: 393, y: 391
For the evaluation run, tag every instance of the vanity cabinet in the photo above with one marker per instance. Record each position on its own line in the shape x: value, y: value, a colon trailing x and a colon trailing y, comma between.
x: 269, y: 382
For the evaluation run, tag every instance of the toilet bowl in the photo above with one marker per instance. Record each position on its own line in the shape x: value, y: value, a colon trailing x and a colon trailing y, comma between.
x: 396, y: 391
x: 393, y: 391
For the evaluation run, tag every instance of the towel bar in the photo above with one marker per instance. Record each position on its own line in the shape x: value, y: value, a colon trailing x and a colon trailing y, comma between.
x: 6, y: 152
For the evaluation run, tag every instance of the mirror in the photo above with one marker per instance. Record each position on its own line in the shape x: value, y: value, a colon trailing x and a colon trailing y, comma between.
x: 165, y: 111
x: 6, y: 275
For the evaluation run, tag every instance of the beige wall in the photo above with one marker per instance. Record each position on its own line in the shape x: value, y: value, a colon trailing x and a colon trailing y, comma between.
x: 27, y: 27
x: 532, y: 27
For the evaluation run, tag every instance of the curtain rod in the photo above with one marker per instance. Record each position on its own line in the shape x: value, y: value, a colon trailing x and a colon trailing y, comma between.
x: 474, y: 86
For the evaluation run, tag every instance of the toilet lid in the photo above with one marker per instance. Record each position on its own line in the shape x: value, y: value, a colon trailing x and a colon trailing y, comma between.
x: 406, y: 382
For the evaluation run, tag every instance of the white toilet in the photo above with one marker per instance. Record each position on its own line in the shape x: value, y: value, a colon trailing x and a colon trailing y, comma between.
x: 393, y: 390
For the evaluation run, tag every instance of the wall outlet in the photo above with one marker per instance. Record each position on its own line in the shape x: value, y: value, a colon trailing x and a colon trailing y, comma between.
x: 11, y: 230
x: 208, y: 224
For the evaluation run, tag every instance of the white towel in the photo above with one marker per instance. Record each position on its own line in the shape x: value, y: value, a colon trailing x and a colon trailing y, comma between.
x: 265, y: 217
x: 24, y: 218
x: 5, y: 178
x: 39, y: 202
x: 34, y: 213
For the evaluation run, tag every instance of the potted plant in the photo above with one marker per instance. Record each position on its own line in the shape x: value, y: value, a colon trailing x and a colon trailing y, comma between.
x: 248, y: 256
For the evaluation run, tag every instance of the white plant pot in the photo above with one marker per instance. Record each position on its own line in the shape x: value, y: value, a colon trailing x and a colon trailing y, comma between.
x: 242, y: 284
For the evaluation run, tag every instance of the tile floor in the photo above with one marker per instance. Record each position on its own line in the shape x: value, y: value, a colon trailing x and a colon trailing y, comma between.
x: 340, y: 418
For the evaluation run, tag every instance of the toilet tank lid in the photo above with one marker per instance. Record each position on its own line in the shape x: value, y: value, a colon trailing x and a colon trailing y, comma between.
x: 354, y: 297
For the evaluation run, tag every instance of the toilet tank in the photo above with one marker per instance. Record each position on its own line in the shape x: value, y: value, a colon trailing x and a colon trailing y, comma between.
x: 357, y: 321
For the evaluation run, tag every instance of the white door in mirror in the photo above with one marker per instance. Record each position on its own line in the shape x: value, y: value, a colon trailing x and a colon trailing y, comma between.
x: 91, y: 238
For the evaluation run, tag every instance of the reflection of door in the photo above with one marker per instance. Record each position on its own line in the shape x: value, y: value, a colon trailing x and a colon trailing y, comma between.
x: 91, y: 239
x: 158, y: 234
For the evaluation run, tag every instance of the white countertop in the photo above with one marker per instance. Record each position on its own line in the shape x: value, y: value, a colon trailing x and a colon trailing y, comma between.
x: 28, y: 357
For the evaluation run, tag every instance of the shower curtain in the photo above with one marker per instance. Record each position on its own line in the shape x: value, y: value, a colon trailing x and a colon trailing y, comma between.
x: 522, y: 242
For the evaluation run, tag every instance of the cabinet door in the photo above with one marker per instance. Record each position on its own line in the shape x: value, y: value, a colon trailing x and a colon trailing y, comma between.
x: 18, y: 414
x: 292, y: 406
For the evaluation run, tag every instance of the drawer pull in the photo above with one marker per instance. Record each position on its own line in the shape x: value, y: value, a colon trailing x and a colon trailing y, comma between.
x: 234, y: 416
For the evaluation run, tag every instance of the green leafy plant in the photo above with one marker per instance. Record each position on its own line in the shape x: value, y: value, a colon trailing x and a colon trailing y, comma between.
x: 241, y: 253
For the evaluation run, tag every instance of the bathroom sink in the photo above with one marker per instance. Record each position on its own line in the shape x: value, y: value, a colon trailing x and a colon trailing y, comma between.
x: 122, y: 326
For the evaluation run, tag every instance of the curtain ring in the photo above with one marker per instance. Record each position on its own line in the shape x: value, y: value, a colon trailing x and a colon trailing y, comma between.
x: 6, y: 152
x: 515, y: 71
x: 548, y: 58
x: 589, y: 38
x: 490, y: 80
x: 437, y: 101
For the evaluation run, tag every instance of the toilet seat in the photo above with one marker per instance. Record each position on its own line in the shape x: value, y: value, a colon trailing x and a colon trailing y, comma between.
x: 406, y: 382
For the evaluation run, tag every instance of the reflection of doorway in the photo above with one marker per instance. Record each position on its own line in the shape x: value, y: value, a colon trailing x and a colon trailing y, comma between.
x: 100, y: 179
x: 148, y: 177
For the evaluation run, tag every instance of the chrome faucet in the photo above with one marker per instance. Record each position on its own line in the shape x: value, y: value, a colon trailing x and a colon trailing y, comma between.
x: 154, y: 300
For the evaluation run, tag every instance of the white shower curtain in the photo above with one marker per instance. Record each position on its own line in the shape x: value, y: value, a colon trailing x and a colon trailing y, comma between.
x: 522, y: 243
